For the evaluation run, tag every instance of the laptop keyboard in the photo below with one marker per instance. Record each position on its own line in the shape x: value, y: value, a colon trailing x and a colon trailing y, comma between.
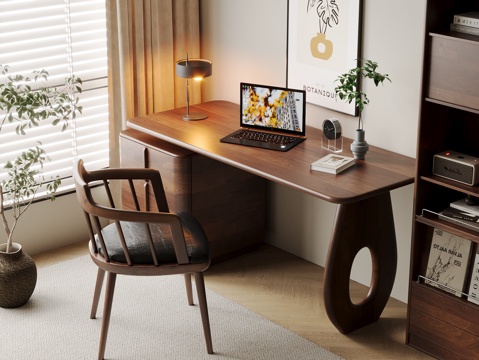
x: 264, y: 137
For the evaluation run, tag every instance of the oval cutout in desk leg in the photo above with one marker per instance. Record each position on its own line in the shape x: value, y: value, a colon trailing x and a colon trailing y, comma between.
x: 364, y: 258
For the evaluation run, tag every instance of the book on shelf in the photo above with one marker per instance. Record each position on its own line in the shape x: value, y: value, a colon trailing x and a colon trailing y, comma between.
x: 448, y: 262
x: 469, y: 19
x: 473, y: 293
x: 462, y: 205
x: 464, y: 29
x: 332, y: 163
x: 460, y: 217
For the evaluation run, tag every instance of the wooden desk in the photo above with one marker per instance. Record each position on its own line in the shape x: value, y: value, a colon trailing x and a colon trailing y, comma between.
x: 364, y: 216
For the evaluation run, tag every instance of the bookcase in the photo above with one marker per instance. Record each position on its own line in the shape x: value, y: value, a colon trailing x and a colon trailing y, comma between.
x: 439, y: 323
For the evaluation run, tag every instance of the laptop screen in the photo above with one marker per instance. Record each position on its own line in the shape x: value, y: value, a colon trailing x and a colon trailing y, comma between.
x: 273, y: 108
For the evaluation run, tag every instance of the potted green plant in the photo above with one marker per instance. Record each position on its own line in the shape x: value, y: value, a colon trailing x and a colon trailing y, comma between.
x: 26, y: 101
x: 349, y: 90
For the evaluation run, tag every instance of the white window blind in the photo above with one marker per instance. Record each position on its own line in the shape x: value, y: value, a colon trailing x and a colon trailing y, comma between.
x: 63, y: 37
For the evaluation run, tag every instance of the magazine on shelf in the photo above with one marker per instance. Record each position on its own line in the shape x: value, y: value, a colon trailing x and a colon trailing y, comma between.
x: 332, y: 163
x: 448, y: 262
x: 473, y: 293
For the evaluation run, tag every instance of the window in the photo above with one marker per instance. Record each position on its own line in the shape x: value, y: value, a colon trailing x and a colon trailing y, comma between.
x: 64, y: 37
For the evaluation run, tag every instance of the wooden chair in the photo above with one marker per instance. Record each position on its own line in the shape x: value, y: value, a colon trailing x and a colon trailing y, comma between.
x: 141, y: 243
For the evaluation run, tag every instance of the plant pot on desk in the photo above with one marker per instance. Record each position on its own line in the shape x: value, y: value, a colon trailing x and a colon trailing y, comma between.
x: 359, y: 146
x: 18, y: 276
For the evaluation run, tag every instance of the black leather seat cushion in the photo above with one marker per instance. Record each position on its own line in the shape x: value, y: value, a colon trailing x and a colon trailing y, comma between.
x: 197, y: 244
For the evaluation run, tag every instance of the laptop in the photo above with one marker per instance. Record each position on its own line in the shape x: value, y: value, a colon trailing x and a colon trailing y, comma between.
x: 270, y: 117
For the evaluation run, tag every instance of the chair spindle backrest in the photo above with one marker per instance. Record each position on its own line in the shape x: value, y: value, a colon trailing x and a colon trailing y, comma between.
x: 94, y: 212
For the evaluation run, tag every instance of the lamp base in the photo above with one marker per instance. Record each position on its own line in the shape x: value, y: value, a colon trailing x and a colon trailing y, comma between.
x: 194, y: 116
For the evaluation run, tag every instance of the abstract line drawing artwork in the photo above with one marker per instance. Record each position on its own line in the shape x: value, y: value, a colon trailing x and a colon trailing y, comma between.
x: 328, y: 16
x: 323, y: 42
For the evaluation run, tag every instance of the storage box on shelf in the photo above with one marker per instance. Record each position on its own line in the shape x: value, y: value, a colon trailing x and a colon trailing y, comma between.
x: 440, y: 323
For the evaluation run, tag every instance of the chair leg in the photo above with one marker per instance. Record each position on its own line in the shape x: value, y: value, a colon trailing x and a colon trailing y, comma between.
x: 96, y: 295
x: 189, y: 292
x: 200, y: 289
x: 110, y: 289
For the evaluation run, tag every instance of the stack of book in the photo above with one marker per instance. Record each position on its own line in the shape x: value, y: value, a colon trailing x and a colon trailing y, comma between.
x: 467, y: 23
x: 333, y: 164
x: 460, y: 213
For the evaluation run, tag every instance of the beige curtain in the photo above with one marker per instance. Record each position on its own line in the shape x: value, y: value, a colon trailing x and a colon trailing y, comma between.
x: 145, y: 39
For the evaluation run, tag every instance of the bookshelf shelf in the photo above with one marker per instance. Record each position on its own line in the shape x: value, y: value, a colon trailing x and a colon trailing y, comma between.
x: 458, y: 230
x: 454, y: 185
x: 453, y: 35
x: 442, y: 324
x: 455, y: 106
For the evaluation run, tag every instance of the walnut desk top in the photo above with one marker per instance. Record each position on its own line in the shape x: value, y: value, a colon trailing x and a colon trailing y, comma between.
x: 381, y: 171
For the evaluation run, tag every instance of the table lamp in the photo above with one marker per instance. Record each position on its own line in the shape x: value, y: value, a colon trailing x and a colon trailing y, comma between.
x: 193, y: 69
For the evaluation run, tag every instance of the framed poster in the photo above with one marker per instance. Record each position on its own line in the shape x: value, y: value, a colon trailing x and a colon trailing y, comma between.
x: 323, y: 42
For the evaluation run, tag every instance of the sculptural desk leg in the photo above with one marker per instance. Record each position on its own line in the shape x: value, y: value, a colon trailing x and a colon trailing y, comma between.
x: 368, y: 223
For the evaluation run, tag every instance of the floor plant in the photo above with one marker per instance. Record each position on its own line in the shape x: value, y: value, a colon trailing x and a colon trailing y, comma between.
x: 25, y: 103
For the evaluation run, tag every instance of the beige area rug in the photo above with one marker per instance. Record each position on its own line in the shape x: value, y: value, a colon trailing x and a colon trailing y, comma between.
x: 150, y: 320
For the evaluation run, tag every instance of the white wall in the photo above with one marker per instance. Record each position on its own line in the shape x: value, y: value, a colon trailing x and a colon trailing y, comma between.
x: 49, y: 225
x: 246, y: 41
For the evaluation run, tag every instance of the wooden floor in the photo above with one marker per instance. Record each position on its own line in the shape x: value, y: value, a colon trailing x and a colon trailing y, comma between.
x: 288, y: 291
